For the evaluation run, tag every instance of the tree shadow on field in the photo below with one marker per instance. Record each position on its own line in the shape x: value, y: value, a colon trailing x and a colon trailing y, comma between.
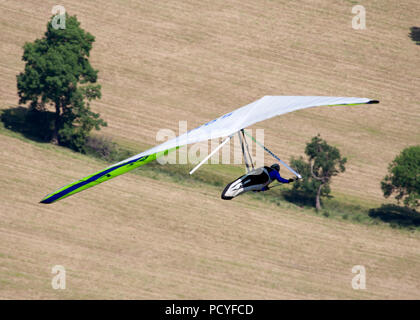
x: 299, y: 198
x: 34, y: 125
x: 396, y: 215
x: 415, y: 35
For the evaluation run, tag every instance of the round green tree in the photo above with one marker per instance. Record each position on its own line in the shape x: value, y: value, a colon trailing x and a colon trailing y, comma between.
x: 58, y: 75
x: 403, y: 178
x: 324, y: 162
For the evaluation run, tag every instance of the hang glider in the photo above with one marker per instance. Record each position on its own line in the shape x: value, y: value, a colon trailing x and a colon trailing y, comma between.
x: 225, y: 126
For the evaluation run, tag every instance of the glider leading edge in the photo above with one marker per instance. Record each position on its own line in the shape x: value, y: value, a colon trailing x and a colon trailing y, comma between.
x: 224, y: 126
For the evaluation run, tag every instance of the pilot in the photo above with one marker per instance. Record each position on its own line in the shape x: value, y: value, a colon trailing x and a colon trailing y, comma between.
x: 274, y: 174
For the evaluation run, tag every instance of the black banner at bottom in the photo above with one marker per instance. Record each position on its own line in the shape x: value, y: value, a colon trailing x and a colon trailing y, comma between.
x: 209, y: 309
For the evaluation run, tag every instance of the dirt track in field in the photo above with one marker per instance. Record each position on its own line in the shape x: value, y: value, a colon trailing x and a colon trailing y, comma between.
x: 161, y: 62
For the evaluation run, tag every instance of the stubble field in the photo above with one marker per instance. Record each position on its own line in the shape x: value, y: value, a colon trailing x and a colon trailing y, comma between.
x: 161, y: 62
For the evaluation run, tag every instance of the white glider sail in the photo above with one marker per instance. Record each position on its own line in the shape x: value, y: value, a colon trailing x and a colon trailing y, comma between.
x: 224, y: 126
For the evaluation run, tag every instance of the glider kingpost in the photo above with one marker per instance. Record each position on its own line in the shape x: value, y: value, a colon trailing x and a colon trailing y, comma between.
x: 225, y: 126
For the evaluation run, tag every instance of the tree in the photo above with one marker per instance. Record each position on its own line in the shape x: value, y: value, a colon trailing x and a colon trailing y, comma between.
x: 324, y: 162
x: 403, y: 177
x: 58, y: 74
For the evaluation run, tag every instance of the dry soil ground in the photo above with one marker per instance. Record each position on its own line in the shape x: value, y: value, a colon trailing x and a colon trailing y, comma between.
x: 164, y: 61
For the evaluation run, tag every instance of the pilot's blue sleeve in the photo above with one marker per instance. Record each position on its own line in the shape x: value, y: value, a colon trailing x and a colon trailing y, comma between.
x: 275, y: 175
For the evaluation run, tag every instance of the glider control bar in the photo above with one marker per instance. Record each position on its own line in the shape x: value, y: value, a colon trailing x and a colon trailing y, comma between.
x: 247, y: 149
x: 212, y: 153
x: 274, y: 156
x: 242, y: 141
